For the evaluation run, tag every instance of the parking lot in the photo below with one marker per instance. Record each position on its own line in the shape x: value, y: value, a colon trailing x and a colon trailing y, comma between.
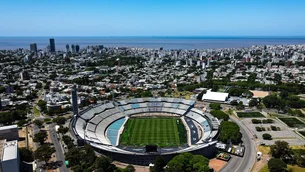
x: 285, y: 132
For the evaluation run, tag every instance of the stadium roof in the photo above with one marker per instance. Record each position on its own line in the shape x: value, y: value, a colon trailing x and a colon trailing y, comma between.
x: 215, y: 96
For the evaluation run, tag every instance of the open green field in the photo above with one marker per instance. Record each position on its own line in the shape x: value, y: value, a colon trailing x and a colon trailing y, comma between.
x: 161, y: 131
x: 250, y: 115
x: 36, y: 112
x: 293, y: 122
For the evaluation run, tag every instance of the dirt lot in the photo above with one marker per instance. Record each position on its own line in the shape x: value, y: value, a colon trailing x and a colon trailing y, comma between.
x: 138, y: 168
x: 22, y: 138
x: 217, y: 164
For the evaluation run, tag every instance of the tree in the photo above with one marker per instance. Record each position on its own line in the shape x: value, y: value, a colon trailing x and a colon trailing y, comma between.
x: 42, y: 105
x: 38, y: 123
x: 44, y: 153
x: 187, y: 162
x: 26, y: 154
x: 240, y: 106
x: 146, y: 94
x: 199, y: 97
x: 215, y: 106
x: 104, y: 164
x: 220, y: 115
x: 68, y: 141
x: 267, y: 136
x: 62, y: 130
x: 40, y: 137
x: 278, y: 78
x: 234, y: 103
x: 20, y: 123
x: 284, y: 94
x: 215, y: 88
x: 276, y: 165
x: 229, y: 132
x: 59, y: 120
x: 2, y: 89
x: 159, y: 165
x: 38, y: 85
x: 281, y: 150
x: 253, y: 102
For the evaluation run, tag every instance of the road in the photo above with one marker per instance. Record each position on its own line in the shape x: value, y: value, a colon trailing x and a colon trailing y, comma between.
x: 243, y: 164
x: 59, y: 153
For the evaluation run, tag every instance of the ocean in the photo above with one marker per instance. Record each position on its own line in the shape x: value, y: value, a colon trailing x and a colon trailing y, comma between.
x: 149, y: 42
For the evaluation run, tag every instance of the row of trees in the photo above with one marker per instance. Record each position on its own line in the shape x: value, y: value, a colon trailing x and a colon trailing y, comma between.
x: 85, y: 160
x: 8, y: 118
x: 283, y: 102
x: 185, y: 162
x: 292, y: 88
x: 282, y: 155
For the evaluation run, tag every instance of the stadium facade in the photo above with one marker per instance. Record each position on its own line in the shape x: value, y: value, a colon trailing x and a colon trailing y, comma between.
x: 101, y: 125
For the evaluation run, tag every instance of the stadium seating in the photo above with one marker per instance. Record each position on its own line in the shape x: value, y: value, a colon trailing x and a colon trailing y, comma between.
x: 101, y: 123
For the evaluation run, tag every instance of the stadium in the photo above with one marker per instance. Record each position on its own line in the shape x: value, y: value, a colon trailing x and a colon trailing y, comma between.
x: 137, y: 130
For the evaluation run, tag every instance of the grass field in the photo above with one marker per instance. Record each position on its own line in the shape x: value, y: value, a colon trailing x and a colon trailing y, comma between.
x: 291, y: 168
x: 36, y: 112
x: 250, y: 115
x: 293, y: 122
x: 161, y: 131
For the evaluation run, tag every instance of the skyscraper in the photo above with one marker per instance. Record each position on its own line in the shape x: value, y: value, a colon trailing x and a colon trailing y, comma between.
x: 67, y: 47
x: 52, y: 45
x: 33, y: 47
x: 74, y: 101
x: 73, y: 48
x: 77, y: 48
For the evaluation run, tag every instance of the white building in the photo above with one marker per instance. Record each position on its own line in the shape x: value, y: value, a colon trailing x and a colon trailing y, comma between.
x: 215, y: 96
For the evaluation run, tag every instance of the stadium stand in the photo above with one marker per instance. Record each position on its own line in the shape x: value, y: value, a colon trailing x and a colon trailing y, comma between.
x: 99, y: 125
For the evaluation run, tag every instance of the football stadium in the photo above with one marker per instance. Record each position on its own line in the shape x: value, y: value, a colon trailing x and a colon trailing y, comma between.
x: 137, y: 130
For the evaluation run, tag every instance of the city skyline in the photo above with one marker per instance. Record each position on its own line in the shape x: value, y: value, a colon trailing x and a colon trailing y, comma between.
x: 154, y: 18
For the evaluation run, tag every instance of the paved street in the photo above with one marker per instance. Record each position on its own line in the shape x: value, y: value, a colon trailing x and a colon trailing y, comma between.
x: 238, y: 164
x: 59, y: 153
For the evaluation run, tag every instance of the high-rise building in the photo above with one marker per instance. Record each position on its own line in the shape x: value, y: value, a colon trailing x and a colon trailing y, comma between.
x: 73, y: 48
x: 10, y: 159
x: 0, y: 105
x: 33, y: 47
x: 52, y: 45
x: 67, y: 47
x: 24, y: 75
x: 74, y: 101
x: 77, y: 48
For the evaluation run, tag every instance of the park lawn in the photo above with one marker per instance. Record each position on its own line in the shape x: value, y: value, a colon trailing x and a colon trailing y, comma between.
x: 293, y: 122
x: 36, y: 112
x: 178, y: 94
x: 161, y: 131
x: 291, y: 168
x: 264, y: 149
x: 250, y: 115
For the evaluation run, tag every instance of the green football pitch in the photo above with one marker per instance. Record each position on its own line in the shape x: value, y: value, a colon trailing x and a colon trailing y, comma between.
x: 162, y: 131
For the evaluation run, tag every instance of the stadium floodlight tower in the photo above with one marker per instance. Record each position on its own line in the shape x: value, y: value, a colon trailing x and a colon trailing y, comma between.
x: 74, y: 101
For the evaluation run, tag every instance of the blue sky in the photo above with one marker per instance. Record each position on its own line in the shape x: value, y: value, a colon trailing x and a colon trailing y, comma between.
x: 152, y: 18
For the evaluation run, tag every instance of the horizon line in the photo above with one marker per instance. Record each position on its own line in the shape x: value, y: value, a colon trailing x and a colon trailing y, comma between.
x: 194, y: 36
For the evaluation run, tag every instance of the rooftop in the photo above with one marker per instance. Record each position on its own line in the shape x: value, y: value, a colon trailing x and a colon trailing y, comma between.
x: 9, y: 150
x: 215, y: 96
x: 8, y: 127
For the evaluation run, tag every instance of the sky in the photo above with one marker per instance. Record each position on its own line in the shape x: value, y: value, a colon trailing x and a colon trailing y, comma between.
x: 152, y: 18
